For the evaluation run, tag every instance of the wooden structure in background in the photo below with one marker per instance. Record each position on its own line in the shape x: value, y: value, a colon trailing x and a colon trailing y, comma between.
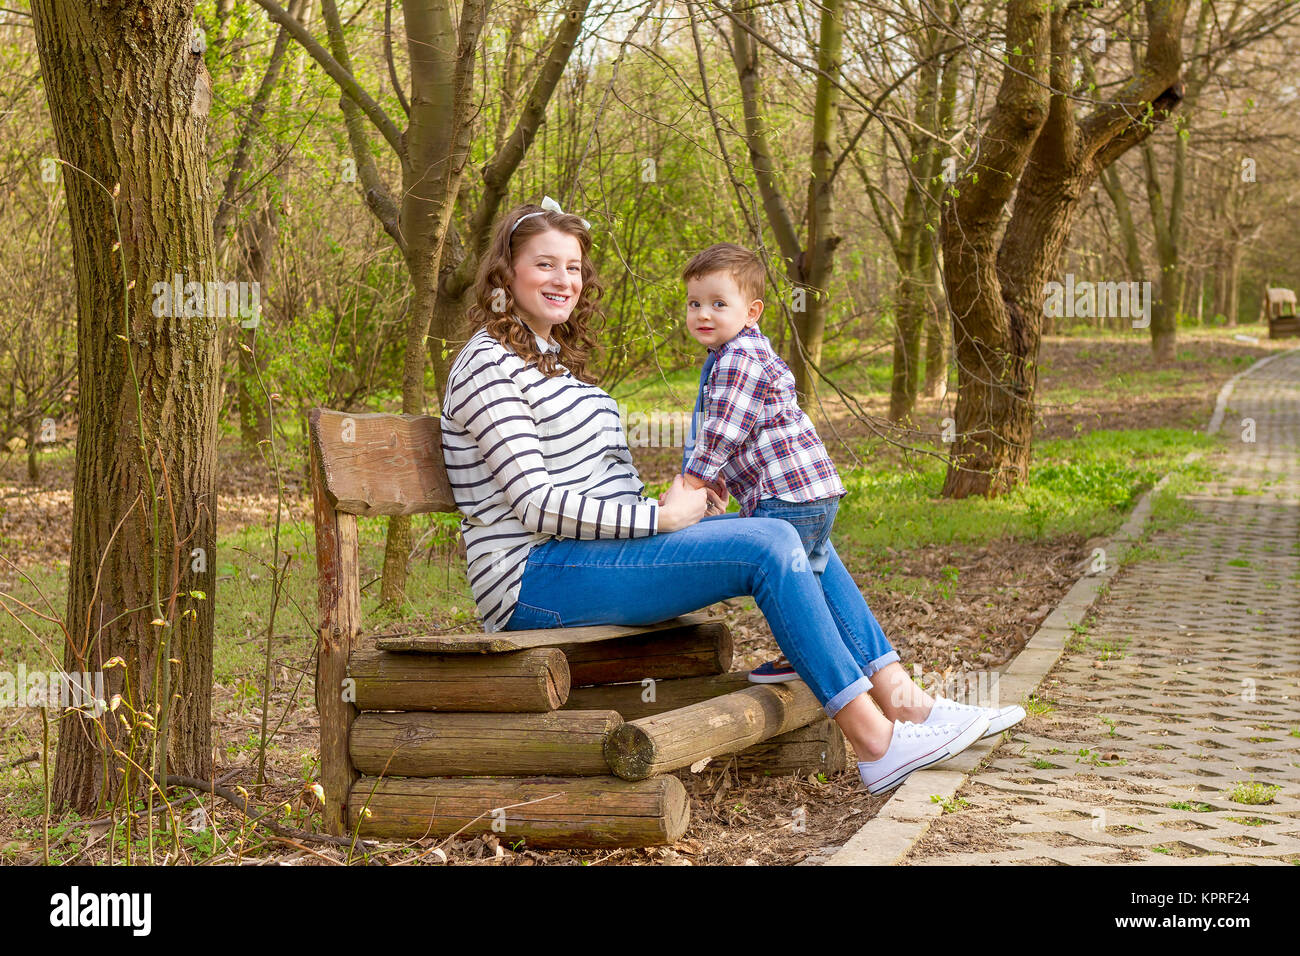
x: 1278, y: 306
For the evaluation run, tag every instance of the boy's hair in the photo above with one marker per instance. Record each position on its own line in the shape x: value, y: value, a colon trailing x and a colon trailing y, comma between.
x: 745, y: 268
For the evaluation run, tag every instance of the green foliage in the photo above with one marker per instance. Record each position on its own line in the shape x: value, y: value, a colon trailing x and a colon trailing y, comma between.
x: 1253, y: 793
x: 950, y: 804
x: 1195, y: 807
x: 1080, y: 485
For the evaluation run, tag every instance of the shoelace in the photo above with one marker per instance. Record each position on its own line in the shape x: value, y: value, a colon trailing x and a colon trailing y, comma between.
x: 953, y: 707
x: 919, y: 730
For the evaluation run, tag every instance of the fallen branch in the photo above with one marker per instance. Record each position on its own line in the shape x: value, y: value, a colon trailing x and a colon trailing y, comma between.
x: 241, y: 803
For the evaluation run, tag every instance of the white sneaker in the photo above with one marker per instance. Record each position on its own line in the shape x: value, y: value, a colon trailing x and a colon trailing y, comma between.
x: 946, y: 711
x: 914, y: 746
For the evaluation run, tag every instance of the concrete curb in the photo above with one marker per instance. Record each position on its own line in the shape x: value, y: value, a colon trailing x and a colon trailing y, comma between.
x: 888, y: 837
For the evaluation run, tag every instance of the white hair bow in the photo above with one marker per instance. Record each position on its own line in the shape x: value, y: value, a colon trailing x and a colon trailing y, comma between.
x: 549, y: 205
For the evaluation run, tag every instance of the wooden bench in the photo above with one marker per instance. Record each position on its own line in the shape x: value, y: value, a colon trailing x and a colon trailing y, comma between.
x: 1279, y: 307
x: 563, y: 737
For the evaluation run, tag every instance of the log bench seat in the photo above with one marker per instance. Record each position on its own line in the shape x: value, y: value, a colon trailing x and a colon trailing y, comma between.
x: 563, y: 737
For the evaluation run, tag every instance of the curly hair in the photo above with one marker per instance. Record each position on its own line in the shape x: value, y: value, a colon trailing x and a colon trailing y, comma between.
x: 493, y: 304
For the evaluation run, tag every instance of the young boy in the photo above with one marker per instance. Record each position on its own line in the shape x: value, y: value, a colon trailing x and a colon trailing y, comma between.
x: 748, y: 435
x: 748, y: 429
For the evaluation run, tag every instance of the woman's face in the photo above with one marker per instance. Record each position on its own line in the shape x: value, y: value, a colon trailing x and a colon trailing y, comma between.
x: 548, y: 280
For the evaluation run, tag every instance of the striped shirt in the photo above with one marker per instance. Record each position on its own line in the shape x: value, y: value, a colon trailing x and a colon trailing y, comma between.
x: 532, y: 458
x: 755, y: 435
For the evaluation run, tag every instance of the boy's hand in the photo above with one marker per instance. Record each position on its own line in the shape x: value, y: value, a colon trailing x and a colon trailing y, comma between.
x: 716, y: 491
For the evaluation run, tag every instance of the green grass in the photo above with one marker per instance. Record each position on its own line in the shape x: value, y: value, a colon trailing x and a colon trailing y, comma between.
x: 1194, y: 807
x: 1252, y: 793
x: 1038, y: 706
x: 1084, y: 755
x: 950, y: 804
x: 1081, y: 485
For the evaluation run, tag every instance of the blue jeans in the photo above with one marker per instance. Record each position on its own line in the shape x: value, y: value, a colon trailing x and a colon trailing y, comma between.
x: 820, y: 620
x: 813, y: 521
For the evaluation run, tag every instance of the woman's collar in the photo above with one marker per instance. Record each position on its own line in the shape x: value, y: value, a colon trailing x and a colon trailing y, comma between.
x: 543, y: 346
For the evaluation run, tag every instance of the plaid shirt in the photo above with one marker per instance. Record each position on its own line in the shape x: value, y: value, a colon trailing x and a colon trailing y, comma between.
x: 754, y: 433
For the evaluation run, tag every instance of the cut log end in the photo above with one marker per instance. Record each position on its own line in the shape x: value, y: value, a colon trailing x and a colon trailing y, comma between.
x: 630, y: 752
x: 555, y: 679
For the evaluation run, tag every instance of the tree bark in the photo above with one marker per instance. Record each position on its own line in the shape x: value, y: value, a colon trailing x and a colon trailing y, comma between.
x: 129, y: 101
x: 938, y: 333
x: 1034, y: 145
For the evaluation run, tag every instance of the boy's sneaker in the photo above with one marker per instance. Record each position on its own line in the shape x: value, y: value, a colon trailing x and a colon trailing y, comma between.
x: 915, y: 746
x: 773, y: 672
x: 946, y: 711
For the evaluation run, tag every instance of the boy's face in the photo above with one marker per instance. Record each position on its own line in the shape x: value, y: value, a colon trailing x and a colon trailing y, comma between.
x: 716, y: 310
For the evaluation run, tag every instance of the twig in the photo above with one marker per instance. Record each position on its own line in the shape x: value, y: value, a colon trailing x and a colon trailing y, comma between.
x: 242, y: 804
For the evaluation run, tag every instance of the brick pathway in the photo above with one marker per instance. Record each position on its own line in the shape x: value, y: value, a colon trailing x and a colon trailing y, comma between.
x: 1185, y: 685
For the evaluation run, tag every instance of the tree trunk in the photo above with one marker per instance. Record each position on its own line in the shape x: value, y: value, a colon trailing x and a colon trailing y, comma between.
x: 808, y: 264
x: 257, y: 239
x: 1164, y: 311
x: 1033, y: 145
x: 1231, y: 286
x: 437, y: 149
x: 909, y: 319
x: 129, y: 100
x: 33, y: 436
x: 992, y: 335
x: 819, y: 258
x: 1168, y: 223
x: 938, y: 335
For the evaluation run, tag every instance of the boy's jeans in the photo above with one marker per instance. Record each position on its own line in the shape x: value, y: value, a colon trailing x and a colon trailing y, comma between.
x: 813, y: 521
x: 820, y: 620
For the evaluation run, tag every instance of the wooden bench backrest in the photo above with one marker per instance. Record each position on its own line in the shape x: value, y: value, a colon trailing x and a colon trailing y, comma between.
x: 364, y: 465
x: 381, y: 464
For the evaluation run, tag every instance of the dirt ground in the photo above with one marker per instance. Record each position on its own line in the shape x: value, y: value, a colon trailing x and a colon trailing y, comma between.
x: 1001, y: 594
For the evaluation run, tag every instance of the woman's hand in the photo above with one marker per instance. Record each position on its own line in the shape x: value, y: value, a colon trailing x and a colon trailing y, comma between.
x: 680, y: 506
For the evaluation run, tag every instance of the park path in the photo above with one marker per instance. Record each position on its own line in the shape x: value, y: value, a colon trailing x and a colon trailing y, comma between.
x: 1186, y: 685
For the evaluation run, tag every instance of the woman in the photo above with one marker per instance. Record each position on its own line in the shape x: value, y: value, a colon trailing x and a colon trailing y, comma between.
x: 558, y: 533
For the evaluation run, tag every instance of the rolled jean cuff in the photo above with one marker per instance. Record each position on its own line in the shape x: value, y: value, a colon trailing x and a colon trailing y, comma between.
x: 836, y: 703
x: 883, y: 660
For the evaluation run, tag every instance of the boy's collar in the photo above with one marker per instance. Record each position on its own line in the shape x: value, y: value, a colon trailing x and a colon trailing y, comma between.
x: 749, y: 331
